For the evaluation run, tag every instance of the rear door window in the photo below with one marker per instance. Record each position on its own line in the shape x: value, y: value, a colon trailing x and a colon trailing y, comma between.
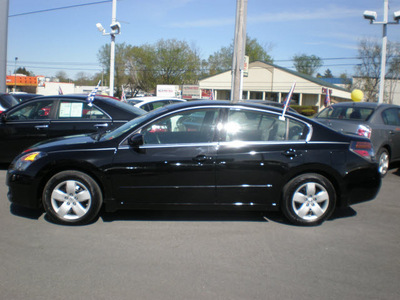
x: 79, y: 110
x: 244, y: 125
x: 391, y: 116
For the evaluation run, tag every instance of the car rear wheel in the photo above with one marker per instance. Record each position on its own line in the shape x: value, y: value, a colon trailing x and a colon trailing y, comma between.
x: 383, y: 162
x: 72, y: 198
x: 308, y: 199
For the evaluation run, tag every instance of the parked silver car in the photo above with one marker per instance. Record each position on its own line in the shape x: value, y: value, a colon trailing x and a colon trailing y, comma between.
x: 378, y: 122
x: 151, y: 103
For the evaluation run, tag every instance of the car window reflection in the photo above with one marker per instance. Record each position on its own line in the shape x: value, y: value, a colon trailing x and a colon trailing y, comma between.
x: 186, y: 127
x: 243, y: 125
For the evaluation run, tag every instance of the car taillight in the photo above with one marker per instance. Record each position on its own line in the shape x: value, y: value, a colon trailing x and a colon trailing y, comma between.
x: 364, y: 131
x: 363, y: 149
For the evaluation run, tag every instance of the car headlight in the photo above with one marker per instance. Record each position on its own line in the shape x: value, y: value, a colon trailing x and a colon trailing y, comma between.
x: 26, y: 160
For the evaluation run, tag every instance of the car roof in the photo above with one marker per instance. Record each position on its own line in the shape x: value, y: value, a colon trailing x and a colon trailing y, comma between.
x: 106, y: 100
x: 151, y: 99
x: 198, y: 103
x: 363, y: 104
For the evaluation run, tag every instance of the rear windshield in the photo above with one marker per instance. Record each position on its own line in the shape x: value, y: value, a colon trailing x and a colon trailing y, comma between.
x: 8, y: 101
x: 346, y: 113
x: 125, y: 106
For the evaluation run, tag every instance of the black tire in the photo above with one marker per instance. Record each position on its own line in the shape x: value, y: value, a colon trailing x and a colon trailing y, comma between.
x: 308, y: 199
x: 383, y: 162
x: 72, y: 198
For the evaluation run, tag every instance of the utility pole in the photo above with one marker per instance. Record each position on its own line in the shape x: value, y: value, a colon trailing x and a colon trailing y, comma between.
x: 371, y: 16
x: 4, y: 4
x: 115, y: 29
x: 239, y: 51
x: 112, y: 49
x: 384, y: 47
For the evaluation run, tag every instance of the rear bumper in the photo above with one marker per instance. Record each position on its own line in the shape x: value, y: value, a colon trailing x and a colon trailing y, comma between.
x: 362, y: 185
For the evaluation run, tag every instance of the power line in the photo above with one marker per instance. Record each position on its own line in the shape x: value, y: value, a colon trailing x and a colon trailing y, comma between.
x: 58, y: 8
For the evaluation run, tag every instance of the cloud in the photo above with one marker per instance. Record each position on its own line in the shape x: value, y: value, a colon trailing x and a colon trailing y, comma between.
x: 204, y: 23
x: 331, y: 13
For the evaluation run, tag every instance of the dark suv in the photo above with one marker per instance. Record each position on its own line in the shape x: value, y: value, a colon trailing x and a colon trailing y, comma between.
x: 7, y: 101
x: 378, y: 122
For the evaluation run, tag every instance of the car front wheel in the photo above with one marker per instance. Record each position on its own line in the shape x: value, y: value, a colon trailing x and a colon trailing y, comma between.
x: 72, y: 198
x: 308, y: 199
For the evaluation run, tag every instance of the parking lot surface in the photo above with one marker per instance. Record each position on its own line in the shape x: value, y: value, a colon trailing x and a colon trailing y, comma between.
x: 203, y: 255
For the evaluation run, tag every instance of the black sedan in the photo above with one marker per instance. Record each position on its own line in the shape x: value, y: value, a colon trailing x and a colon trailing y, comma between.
x: 41, y: 118
x: 199, y: 155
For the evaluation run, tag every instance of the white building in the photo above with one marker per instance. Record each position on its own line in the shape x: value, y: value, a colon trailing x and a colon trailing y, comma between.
x: 267, y: 81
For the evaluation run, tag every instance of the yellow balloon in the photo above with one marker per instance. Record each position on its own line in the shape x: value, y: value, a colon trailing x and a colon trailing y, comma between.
x: 357, y: 95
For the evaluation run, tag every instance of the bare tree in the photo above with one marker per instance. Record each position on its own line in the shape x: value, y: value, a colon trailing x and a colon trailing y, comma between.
x: 368, y: 72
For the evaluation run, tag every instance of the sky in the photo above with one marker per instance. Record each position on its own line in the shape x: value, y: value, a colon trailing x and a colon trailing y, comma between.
x: 46, y: 39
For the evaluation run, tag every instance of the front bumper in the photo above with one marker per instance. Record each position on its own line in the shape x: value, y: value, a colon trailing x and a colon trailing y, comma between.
x: 23, y: 190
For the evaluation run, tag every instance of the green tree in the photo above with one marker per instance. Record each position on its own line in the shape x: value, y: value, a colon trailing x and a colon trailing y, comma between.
x: 176, y: 62
x: 83, y: 78
x: 22, y: 70
x: 120, y: 76
x: 165, y: 62
x: 307, y: 64
x: 328, y: 74
x: 221, y: 60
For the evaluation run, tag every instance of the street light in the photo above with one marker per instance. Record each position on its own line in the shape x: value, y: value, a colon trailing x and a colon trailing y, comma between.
x: 371, y: 16
x: 115, y: 29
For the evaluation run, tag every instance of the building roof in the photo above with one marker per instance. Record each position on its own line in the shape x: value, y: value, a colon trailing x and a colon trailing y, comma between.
x: 319, y: 81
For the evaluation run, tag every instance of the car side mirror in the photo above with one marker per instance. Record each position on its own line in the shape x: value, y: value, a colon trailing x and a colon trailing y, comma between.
x: 136, y: 140
x: 3, y: 117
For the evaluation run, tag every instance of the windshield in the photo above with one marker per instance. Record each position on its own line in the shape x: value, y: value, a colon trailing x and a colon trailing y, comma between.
x: 346, y: 113
x: 126, y: 127
x: 133, y: 102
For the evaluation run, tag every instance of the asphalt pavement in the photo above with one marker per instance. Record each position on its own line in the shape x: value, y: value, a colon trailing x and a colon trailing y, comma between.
x: 203, y: 255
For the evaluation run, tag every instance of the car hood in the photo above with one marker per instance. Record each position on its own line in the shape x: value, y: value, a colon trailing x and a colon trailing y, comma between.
x: 66, y: 142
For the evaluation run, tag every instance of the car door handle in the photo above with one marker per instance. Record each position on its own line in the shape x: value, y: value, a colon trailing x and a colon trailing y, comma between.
x: 101, y: 125
x: 291, y: 153
x: 38, y: 127
x: 200, y: 158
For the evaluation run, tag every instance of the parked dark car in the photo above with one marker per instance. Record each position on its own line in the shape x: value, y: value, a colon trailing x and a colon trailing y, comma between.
x: 7, y: 101
x: 199, y: 155
x: 270, y: 103
x: 24, y: 96
x: 41, y: 118
x: 378, y: 122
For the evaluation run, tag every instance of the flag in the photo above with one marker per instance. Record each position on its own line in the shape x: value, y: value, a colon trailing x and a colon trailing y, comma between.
x: 92, y: 94
x: 328, y: 98
x: 287, y: 102
x: 289, y: 96
x: 123, y: 96
x: 60, y: 92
